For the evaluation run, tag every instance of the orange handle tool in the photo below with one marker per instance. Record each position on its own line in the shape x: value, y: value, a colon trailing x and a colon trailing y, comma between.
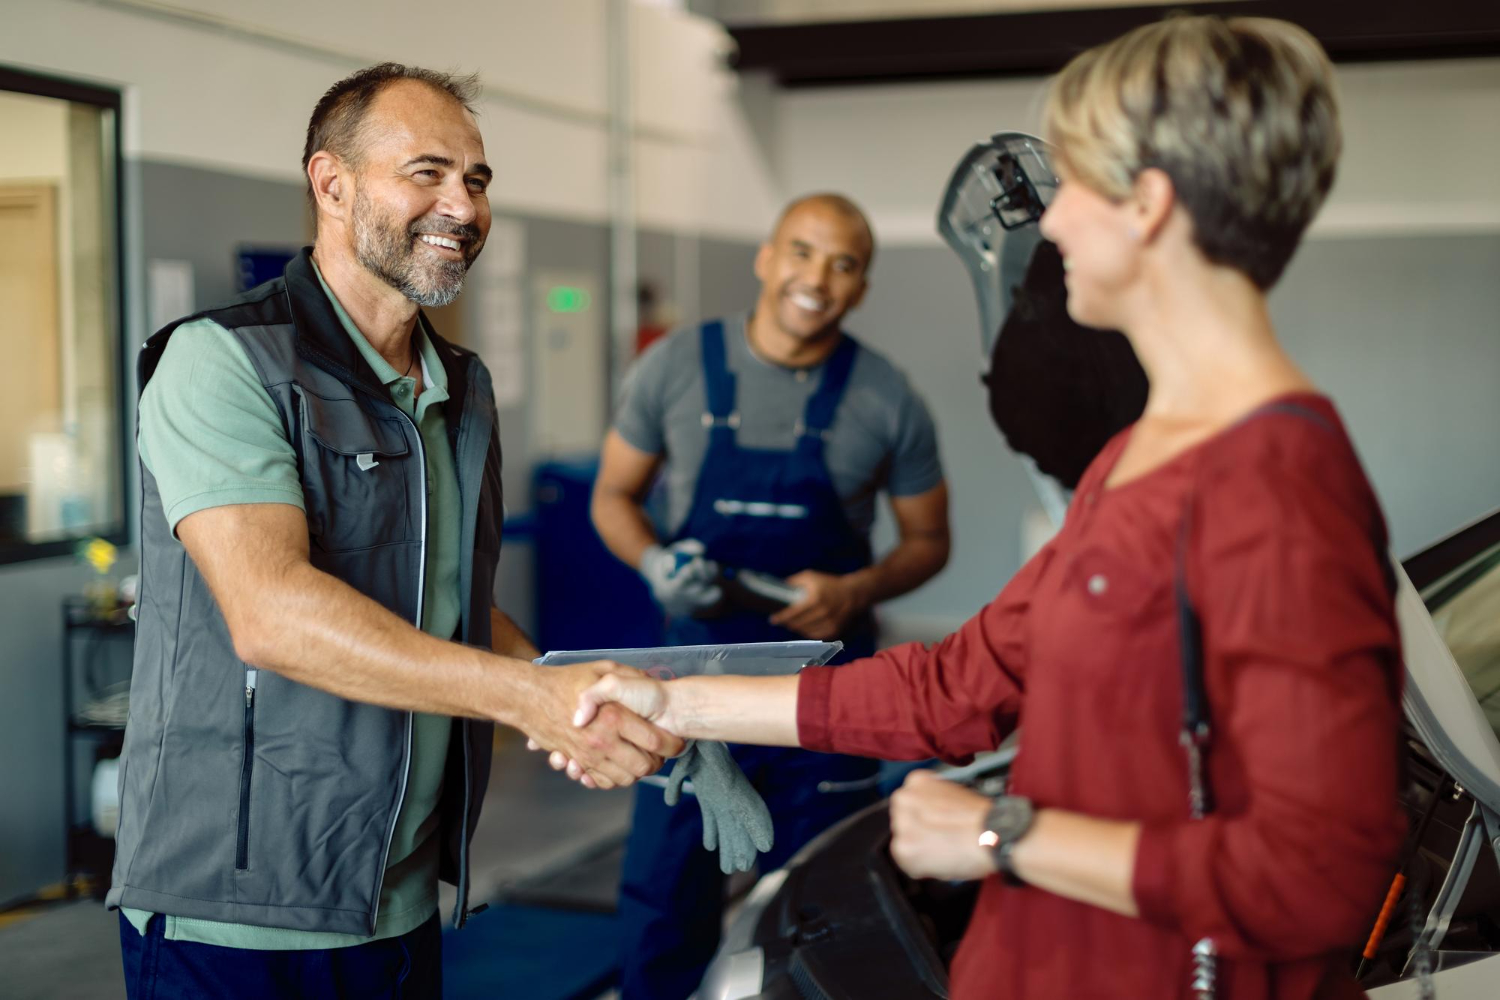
x: 1383, y: 921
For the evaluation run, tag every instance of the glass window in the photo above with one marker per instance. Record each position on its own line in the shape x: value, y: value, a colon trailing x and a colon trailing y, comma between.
x: 1465, y: 606
x: 61, y: 441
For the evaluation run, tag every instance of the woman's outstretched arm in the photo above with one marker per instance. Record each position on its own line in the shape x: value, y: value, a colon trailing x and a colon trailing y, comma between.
x: 760, y: 710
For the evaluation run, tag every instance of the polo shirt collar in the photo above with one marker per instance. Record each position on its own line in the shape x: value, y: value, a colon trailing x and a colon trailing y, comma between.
x: 434, y: 376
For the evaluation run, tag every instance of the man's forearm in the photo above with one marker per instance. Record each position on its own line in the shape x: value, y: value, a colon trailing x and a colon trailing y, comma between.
x: 507, y: 639
x: 319, y: 631
x: 623, y: 525
x: 906, y: 567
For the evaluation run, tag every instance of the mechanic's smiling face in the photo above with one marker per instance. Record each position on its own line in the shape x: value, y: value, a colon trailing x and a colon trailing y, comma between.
x: 812, y: 271
x: 421, y: 214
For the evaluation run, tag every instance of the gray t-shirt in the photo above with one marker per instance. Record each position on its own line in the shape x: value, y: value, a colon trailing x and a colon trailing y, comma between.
x: 882, y: 435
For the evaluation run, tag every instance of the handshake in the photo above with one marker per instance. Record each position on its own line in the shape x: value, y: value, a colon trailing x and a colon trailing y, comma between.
x: 617, y: 729
x: 625, y: 723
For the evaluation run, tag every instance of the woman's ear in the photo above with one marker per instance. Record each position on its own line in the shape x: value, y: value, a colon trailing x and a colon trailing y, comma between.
x: 1152, y: 202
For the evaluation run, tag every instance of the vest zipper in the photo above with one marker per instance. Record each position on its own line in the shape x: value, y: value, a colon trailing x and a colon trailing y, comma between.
x: 247, y: 767
x: 390, y: 832
x: 461, y: 912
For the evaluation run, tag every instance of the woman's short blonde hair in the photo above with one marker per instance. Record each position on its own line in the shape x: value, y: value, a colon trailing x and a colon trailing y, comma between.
x: 1239, y: 112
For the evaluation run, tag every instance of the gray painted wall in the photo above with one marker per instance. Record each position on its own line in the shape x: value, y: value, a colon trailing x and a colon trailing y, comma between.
x: 1402, y: 332
x: 920, y: 312
x: 202, y: 216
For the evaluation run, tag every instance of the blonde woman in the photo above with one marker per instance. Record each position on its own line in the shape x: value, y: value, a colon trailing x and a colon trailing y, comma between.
x: 1193, y: 153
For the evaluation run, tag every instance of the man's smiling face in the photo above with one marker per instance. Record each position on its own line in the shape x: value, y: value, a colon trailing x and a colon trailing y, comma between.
x: 420, y: 213
x: 812, y: 271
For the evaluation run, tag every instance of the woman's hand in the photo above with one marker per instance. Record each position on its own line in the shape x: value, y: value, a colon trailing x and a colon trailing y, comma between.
x: 640, y: 693
x: 935, y: 828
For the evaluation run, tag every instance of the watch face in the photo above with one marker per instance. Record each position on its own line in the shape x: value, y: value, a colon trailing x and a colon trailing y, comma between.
x: 1010, y: 817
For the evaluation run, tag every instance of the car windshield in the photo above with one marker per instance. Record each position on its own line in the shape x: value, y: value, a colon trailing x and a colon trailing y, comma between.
x: 1465, y: 607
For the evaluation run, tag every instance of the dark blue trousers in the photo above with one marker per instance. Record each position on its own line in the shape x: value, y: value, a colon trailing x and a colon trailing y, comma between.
x: 672, y: 892
x: 409, y: 967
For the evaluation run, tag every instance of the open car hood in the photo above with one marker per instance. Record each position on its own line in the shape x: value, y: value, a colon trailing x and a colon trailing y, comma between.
x: 1058, y: 391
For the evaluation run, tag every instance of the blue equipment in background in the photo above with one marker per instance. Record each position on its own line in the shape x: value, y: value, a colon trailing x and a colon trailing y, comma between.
x: 585, y: 597
x: 257, y: 265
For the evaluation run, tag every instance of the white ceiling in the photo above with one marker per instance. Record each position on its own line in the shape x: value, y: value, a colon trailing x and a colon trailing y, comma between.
x: 738, y: 12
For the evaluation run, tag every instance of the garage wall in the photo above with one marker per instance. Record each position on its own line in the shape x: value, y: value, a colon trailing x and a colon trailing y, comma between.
x: 1392, y: 304
x: 228, y: 85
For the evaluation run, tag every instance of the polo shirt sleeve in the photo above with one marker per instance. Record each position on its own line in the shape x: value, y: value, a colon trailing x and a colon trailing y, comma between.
x: 915, y: 464
x: 641, y: 416
x: 209, y: 431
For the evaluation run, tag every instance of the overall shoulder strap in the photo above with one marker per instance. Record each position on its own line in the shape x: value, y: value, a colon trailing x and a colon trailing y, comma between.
x: 823, y: 404
x: 718, y: 381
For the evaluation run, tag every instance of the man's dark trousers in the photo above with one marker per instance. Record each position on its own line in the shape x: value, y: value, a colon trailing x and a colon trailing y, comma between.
x: 409, y: 967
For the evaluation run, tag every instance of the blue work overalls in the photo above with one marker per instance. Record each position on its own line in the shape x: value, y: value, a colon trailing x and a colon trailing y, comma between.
x: 777, y: 512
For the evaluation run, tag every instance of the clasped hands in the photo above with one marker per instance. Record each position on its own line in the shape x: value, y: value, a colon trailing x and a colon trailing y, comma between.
x: 617, y: 747
x: 615, y: 704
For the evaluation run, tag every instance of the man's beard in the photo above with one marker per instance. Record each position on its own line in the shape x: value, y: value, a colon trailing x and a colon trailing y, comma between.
x: 387, y: 249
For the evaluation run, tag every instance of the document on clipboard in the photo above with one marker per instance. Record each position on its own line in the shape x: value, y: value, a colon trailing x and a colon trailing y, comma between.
x: 755, y: 659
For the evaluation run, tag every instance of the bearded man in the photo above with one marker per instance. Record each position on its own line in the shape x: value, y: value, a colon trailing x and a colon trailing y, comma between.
x: 319, y: 664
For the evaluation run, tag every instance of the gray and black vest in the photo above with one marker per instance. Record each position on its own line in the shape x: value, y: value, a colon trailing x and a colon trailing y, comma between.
x: 278, y: 810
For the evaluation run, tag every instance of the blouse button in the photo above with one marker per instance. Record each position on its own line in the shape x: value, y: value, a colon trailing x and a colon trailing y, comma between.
x: 1098, y: 584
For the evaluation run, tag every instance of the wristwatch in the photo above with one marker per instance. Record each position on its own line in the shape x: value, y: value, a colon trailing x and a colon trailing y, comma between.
x: 1008, y: 821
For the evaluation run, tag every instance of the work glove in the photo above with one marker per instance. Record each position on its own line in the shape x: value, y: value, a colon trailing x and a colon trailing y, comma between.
x: 735, y: 818
x: 681, y: 580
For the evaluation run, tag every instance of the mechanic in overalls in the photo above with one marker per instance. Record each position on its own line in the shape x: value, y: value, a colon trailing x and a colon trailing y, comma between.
x: 777, y: 431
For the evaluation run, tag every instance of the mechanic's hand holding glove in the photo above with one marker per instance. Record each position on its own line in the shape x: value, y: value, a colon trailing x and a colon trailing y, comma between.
x: 735, y: 817
x: 681, y: 580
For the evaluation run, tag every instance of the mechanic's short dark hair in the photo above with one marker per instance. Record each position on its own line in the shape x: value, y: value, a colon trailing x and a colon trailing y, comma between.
x: 337, y: 122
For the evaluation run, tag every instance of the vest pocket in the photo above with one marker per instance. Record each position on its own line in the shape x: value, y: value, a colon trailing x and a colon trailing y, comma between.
x: 357, y: 470
x: 247, y: 768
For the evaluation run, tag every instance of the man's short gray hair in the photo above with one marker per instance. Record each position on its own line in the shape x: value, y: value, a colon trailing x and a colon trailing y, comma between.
x: 337, y: 123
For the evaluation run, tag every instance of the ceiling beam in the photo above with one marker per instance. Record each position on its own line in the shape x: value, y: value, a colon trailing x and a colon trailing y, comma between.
x: 1041, y: 42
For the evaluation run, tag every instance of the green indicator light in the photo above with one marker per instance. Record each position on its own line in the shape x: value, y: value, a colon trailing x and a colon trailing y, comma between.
x: 567, y: 299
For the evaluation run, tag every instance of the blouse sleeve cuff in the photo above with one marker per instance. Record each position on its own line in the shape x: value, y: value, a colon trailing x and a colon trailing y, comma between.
x: 814, y: 696
x: 1153, y: 879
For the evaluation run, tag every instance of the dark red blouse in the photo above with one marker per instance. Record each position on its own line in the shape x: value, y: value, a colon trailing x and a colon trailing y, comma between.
x: 1304, y: 676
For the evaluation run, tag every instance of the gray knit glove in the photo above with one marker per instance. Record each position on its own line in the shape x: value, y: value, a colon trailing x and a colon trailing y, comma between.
x: 735, y: 817
x: 681, y: 579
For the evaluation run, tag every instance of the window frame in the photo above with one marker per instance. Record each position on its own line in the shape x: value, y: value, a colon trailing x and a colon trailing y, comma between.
x: 18, y: 81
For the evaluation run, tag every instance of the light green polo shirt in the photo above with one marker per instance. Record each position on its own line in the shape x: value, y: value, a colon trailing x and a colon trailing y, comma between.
x: 211, y: 435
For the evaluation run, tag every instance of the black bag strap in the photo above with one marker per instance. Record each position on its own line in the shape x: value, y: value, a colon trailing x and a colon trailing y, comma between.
x: 1196, y: 735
